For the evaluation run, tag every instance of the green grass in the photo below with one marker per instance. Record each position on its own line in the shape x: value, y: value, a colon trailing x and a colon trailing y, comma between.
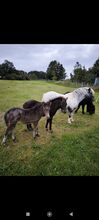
x: 69, y: 150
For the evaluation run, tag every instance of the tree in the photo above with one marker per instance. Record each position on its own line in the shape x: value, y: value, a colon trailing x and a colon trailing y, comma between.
x: 8, y: 71
x: 79, y: 73
x: 55, y: 71
x: 93, y: 72
x: 9, y: 65
x: 33, y: 75
x: 96, y: 68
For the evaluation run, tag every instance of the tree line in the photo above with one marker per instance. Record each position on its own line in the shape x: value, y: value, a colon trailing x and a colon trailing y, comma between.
x: 55, y: 71
x: 82, y: 75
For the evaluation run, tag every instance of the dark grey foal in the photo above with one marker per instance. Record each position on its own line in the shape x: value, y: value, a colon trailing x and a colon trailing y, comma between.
x: 57, y: 103
x: 27, y: 105
x: 26, y: 116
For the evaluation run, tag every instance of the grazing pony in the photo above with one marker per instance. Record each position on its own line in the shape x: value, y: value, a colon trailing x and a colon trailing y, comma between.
x: 55, y: 105
x: 90, y: 106
x: 88, y: 101
x: 74, y: 98
x: 32, y: 115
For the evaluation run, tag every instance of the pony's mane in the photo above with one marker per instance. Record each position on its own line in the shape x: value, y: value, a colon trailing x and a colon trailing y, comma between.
x: 83, y: 90
x: 58, y: 98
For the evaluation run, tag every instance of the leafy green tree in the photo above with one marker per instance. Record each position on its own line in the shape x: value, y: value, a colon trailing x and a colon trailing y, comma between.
x: 36, y: 75
x: 8, y: 71
x: 80, y: 73
x: 55, y: 71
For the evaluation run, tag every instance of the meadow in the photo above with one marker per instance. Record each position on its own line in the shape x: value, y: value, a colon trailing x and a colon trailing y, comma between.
x: 71, y: 150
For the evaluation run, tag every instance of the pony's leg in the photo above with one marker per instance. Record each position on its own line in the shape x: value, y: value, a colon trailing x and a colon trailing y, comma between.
x: 83, y: 106
x: 72, y: 114
x: 69, y: 119
x: 37, y: 134
x: 50, y: 124
x: 46, y: 126
x: 87, y: 110
x: 29, y: 127
x: 77, y: 109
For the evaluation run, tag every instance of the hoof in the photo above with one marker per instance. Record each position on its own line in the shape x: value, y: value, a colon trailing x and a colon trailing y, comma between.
x: 46, y: 129
x: 30, y: 129
x: 37, y: 135
x: 69, y: 123
x: 14, y: 140
x: 51, y: 131
x: 3, y: 143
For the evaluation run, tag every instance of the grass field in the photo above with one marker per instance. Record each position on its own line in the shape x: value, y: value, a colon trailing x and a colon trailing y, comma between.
x: 69, y: 150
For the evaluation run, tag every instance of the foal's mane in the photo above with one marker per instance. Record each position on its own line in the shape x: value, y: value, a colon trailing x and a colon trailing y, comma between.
x: 58, y: 98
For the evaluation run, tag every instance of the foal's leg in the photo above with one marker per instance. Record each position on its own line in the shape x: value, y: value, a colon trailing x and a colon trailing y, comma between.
x: 77, y: 109
x: 35, y: 129
x: 13, y: 137
x: 9, y: 131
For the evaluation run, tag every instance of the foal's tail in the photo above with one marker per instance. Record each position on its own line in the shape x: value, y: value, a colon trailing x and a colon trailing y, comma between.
x: 6, y: 117
x: 12, y: 116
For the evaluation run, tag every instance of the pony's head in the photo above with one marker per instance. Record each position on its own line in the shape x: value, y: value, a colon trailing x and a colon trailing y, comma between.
x: 91, y: 93
x: 91, y: 108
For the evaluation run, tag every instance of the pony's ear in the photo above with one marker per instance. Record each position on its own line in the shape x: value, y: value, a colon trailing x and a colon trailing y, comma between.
x: 89, y: 90
x: 50, y: 103
x: 66, y: 98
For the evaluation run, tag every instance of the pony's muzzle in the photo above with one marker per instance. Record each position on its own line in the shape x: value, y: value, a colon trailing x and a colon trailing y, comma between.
x: 48, y: 116
x: 63, y: 111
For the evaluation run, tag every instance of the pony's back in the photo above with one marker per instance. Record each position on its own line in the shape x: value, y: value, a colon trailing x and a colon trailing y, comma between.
x: 48, y: 96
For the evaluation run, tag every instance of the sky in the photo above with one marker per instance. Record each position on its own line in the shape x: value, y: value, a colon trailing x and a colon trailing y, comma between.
x: 29, y: 57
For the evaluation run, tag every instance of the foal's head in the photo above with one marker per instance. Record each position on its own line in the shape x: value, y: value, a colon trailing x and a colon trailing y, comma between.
x: 46, y: 109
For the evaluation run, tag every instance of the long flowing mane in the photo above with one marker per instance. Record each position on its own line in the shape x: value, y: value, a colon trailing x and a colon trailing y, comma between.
x: 83, y: 90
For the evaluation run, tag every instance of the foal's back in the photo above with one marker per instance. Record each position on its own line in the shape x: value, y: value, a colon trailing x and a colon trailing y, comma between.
x: 30, y: 104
